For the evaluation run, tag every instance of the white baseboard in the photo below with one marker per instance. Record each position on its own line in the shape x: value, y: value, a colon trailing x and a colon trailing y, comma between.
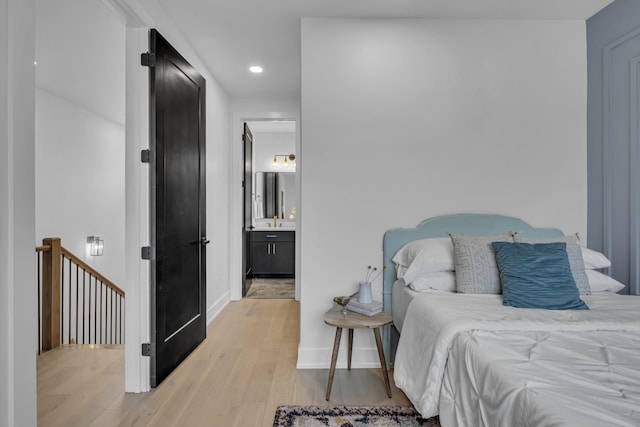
x: 217, y: 307
x: 320, y: 358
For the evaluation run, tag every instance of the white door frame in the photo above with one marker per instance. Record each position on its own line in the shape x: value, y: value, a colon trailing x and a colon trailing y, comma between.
x: 137, y: 277
x: 18, y: 317
x: 237, y: 175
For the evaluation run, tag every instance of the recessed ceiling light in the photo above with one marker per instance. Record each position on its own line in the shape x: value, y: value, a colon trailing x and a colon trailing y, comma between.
x: 255, y: 69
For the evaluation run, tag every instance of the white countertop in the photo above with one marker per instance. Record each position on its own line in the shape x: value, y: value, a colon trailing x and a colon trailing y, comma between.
x: 283, y: 228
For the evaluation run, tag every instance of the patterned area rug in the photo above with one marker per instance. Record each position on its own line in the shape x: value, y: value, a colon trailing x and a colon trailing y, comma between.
x: 272, y: 288
x: 350, y: 416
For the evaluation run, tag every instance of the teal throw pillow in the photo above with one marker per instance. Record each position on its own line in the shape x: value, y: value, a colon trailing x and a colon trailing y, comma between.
x: 537, y: 276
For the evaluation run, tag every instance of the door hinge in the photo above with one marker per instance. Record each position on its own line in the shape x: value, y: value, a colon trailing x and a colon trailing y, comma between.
x: 148, y: 59
x: 147, y: 252
x: 146, y: 156
x: 148, y: 349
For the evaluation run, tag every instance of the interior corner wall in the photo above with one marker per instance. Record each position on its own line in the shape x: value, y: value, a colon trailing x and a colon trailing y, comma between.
x: 80, y: 181
x: 613, y: 43
x: 18, y: 319
x: 403, y: 120
x: 80, y: 133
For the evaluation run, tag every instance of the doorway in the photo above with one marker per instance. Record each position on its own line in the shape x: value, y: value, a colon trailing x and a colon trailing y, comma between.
x: 270, y: 196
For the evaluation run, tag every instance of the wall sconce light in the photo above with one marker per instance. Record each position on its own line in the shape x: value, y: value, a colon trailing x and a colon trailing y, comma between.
x: 288, y: 161
x: 96, y: 245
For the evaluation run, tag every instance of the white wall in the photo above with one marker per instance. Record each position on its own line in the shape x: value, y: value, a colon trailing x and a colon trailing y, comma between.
x: 267, y: 144
x: 17, y: 215
x: 218, y: 196
x: 80, y: 181
x: 80, y: 54
x: 80, y: 109
x: 407, y: 119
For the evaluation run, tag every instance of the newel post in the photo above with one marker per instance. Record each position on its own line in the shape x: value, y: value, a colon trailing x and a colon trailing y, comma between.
x: 51, y: 271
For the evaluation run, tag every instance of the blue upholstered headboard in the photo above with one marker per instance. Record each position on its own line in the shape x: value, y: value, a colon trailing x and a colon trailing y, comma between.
x: 442, y: 226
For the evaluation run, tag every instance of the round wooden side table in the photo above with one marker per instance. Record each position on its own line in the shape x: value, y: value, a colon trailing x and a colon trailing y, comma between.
x: 352, y: 320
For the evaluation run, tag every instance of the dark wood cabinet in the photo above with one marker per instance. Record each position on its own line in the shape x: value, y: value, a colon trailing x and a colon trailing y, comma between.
x: 273, y: 253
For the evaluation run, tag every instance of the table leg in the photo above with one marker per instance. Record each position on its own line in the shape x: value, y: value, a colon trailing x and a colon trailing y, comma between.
x: 334, y: 358
x: 383, y: 362
x: 350, y: 347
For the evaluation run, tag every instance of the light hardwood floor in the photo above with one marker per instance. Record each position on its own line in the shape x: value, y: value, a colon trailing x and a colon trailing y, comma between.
x: 238, y: 376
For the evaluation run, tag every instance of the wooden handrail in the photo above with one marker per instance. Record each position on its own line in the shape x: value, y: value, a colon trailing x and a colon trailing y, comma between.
x: 91, y: 270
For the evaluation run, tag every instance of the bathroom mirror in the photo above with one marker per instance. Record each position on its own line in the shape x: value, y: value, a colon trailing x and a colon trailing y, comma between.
x: 275, y: 195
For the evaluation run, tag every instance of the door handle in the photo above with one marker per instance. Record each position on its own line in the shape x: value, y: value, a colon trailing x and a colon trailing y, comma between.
x: 204, y: 241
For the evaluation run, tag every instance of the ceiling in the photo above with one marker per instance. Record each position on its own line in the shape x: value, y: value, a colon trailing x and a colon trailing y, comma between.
x: 231, y: 35
x: 280, y: 126
x: 68, y: 35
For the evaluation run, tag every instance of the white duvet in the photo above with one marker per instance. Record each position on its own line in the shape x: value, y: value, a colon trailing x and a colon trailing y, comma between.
x: 476, y: 362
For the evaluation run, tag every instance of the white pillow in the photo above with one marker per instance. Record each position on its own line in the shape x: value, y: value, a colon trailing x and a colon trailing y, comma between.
x: 438, y: 280
x: 601, y: 282
x: 400, y: 270
x: 424, y: 256
x: 594, y: 260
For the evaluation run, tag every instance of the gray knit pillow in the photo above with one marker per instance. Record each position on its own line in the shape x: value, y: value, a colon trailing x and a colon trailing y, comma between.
x: 576, y: 262
x: 475, y: 263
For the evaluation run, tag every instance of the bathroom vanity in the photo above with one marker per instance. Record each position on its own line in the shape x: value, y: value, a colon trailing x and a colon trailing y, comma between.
x: 273, y: 253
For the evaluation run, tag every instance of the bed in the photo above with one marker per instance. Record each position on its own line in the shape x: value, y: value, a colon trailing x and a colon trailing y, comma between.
x: 476, y: 362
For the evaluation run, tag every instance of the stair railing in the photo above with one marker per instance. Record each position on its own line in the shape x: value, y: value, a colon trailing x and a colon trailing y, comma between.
x: 76, y: 304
